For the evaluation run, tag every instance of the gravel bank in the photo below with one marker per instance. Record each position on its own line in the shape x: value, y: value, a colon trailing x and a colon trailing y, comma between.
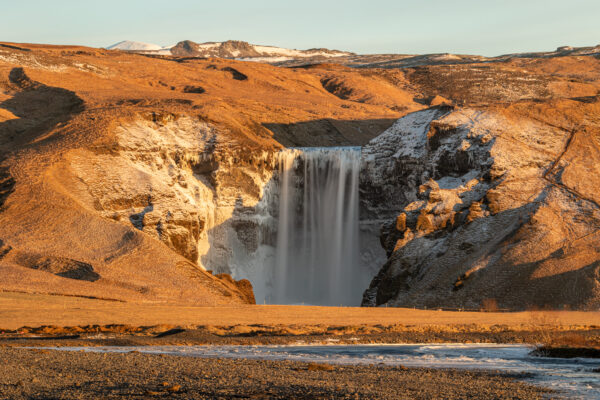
x: 36, y: 374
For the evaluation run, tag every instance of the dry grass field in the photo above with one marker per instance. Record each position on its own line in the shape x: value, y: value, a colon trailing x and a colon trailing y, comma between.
x: 25, y: 314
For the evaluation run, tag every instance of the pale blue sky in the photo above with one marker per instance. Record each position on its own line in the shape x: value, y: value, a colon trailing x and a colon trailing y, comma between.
x: 486, y: 27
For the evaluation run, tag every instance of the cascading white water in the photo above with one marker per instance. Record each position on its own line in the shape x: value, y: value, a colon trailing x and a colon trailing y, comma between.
x: 317, y: 258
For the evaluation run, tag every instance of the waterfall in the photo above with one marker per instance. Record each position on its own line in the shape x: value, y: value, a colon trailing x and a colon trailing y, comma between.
x: 317, y: 255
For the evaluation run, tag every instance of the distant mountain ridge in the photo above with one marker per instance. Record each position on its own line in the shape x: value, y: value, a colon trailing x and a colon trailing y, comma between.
x: 240, y: 50
x: 233, y: 49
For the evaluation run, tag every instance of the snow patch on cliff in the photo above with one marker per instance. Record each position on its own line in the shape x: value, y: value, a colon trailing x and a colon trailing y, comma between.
x: 406, y: 138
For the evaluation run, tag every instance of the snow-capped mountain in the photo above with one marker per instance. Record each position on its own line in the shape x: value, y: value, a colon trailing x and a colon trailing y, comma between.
x: 244, y: 50
x: 280, y: 56
x: 229, y: 49
x: 128, y: 45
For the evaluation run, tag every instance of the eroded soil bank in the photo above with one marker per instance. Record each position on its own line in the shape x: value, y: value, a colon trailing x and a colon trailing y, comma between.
x: 163, y: 335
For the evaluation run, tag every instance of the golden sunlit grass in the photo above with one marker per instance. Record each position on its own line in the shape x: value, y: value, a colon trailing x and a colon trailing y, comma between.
x: 58, y: 315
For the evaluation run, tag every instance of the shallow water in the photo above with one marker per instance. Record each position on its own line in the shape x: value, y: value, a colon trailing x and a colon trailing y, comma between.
x: 573, y: 378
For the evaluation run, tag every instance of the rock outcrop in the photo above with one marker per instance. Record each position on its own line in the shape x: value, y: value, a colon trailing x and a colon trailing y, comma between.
x: 495, y: 203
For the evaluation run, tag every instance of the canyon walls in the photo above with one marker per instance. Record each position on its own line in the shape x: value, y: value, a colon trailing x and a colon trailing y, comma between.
x: 181, y: 182
x: 471, y: 207
x: 286, y: 220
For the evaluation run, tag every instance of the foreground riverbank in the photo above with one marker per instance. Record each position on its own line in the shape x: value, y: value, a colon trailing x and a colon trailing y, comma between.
x: 168, y: 335
x: 57, y: 321
x: 34, y: 310
x: 32, y: 319
x: 28, y: 373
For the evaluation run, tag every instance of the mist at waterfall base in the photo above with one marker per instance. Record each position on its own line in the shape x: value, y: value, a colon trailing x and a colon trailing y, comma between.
x: 317, y: 255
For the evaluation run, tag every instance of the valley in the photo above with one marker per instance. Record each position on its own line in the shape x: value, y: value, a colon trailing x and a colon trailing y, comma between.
x: 136, y: 178
x: 212, y: 200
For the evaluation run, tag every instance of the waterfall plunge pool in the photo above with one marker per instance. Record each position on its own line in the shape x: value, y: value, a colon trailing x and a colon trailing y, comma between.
x: 571, y: 378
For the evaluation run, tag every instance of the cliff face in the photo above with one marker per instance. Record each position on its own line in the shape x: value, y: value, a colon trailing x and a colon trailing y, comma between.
x: 176, y: 180
x: 497, y: 204
x: 95, y: 225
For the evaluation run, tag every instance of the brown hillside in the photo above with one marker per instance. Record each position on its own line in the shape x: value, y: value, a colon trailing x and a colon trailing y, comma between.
x: 61, y: 110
